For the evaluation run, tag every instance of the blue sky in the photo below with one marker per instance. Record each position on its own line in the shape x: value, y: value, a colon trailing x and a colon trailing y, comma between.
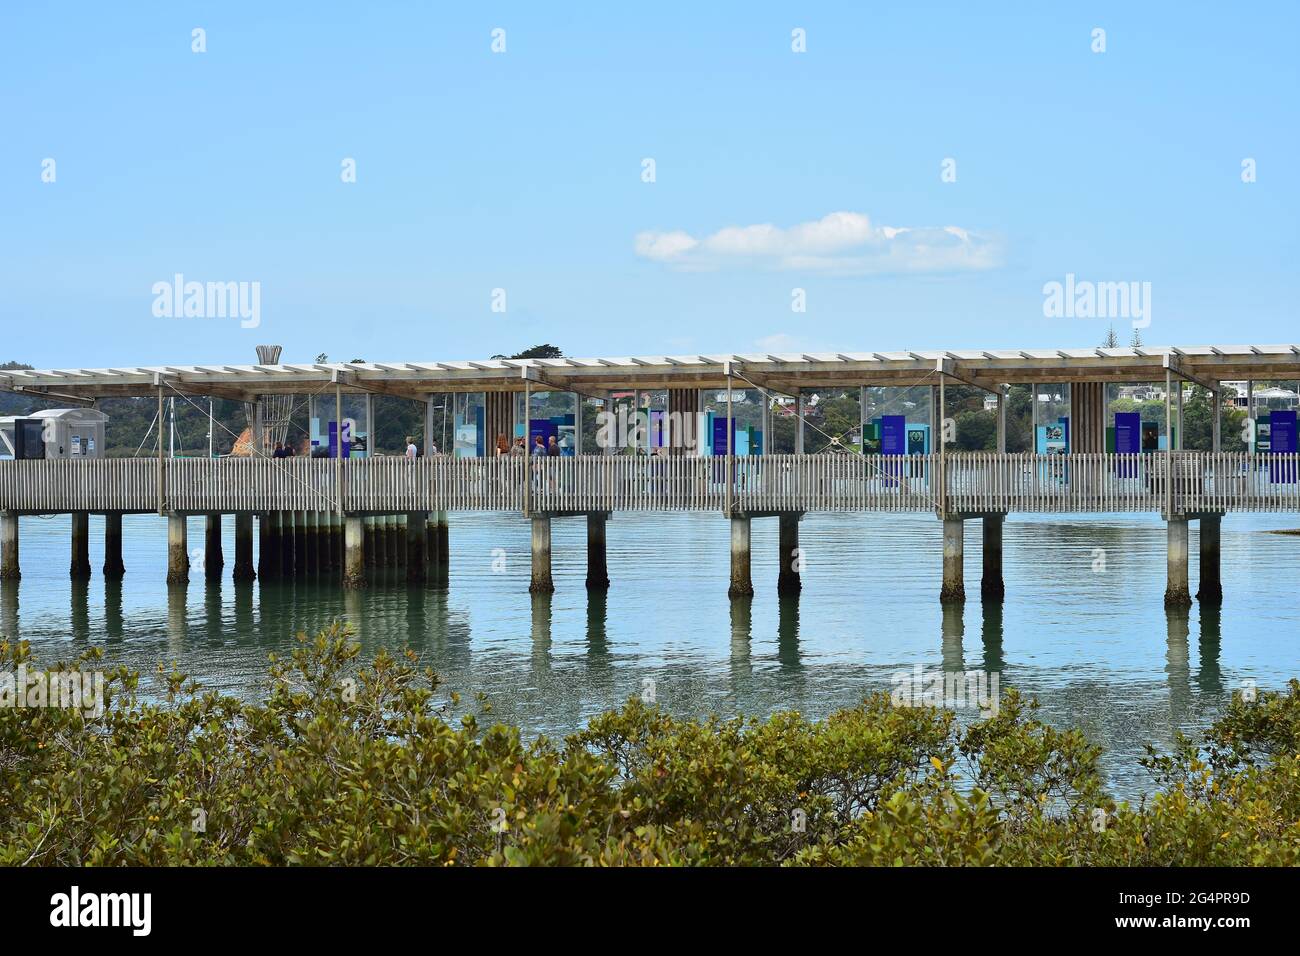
x: 523, y: 171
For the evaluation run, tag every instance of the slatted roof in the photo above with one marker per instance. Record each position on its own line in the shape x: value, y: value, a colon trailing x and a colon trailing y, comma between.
x: 780, y: 371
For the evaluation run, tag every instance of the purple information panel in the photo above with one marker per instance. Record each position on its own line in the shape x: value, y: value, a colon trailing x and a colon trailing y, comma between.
x: 893, y: 442
x: 1128, y: 441
x: 334, y: 441
x: 1283, y: 443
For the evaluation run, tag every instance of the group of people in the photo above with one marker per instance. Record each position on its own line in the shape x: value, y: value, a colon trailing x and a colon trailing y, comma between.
x: 289, y: 450
x: 540, y: 449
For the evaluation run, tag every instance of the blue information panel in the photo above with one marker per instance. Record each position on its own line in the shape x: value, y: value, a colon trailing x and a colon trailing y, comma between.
x: 893, y: 435
x: 1283, y: 442
x: 334, y: 439
x: 893, y: 442
x: 1128, y: 441
x: 720, y: 436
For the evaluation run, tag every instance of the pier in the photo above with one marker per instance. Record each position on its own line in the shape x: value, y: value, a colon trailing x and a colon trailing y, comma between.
x: 340, y: 516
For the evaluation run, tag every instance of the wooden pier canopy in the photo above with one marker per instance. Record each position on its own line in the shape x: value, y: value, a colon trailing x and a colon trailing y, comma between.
x: 1205, y: 365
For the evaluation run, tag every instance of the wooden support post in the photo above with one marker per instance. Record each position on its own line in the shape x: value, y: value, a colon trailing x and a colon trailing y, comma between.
x: 162, y: 479
x: 178, y: 555
x: 1211, y: 587
x: 742, y: 584
x: 80, y: 566
x: 354, y: 560
x: 954, y: 587
x: 244, y: 546
x: 1216, y: 426
x: 541, y: 582
x: 9, y: 570
x: 1002, y: 419
x: 992, y: 587
x: 213, y: 559
x: 788, y: 579
x: 798, y: 422
x: 597, y: 565
x: 1177, y: 594
x: 114, y: 569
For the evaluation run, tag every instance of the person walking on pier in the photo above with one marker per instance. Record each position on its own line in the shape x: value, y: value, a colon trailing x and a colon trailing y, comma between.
x: 279, y: 450
x: 411, y: 450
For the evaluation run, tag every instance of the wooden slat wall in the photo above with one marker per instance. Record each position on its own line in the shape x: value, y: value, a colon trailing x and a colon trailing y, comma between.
x: 499, y: 419
x: 976, y: 482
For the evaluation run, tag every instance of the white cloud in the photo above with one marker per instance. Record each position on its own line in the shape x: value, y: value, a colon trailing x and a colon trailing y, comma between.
x: 843, y: 243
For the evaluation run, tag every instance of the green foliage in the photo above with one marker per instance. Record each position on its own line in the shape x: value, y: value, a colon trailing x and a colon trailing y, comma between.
x: 345, y: 764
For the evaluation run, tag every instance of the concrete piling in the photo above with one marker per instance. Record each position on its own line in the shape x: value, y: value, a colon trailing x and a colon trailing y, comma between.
x: 741, y: 583
x: 178, y: 555
x: 417, y: 567
x: 1177, y: 594
x: 114, y: 569
x: 1211, y: 587
x: 300, y: 544
x: 992, y: 587
x: 354, y: 561
x: 286, y: 544
x: 597, y: 564
x: 80, y: 566
x: 788, y: 580
x: 541, y: 582
x: 267, y: 545
x: 954, y: 587
x: 244, y: 546
x: 312, y: 554
x: 9, y: 546
x: 213, y: 560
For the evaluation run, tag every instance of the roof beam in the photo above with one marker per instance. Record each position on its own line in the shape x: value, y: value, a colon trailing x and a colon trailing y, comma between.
x: 1174, y: 363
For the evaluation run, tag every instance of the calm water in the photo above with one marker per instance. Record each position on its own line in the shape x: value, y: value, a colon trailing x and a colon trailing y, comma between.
x: 1097, y: 649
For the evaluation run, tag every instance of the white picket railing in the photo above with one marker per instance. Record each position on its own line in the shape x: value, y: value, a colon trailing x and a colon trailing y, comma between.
x: 969, y: 482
